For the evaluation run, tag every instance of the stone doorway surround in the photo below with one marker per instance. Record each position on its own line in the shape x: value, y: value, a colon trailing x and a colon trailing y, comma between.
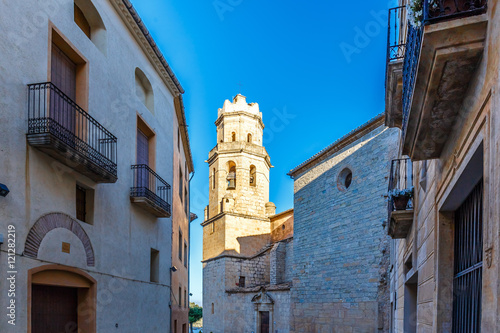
x: 263, y: 302
x: 64, y: 276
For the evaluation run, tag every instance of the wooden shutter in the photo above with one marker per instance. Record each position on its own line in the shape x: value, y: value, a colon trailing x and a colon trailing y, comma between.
x: 142, y: 148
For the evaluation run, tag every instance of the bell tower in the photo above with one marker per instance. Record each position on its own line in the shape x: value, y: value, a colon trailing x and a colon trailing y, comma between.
x: 236, y: 219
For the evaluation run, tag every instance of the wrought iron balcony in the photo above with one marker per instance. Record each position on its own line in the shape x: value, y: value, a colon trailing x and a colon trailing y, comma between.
x: 396, y: 46
x: 150, y: 191
x: 441, y: 57
x: 62, y: 129
x: 400, y: 211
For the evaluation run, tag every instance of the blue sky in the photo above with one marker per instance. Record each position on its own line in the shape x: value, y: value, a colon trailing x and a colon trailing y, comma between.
x: 316, y: 69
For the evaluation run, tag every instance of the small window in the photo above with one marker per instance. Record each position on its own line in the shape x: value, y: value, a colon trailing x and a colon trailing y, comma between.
x: 241, y: 283
x: 213, y: 178
x: 185, y: 254
x: 344, y: 180
x: 231, y: 176
x: 233, y: 137
x: 181, y: 182
x: 144, y: 89
x: 249, y: 138
x: 213, y: 308
x: 81, y: 21
x: 154, y: 266
x: 84, y: 204
x: 186, y: 201
x: 253, y: 175
x: 185, y: 298
x: 213, y: 227
x: 180, y: 245
x: 180, y: 296
x: 87, y: 18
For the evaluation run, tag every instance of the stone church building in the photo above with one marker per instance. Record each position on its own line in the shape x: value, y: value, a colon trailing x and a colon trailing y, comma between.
x: 320, y: 267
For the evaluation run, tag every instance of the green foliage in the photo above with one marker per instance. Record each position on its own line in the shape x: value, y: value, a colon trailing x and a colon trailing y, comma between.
x: 195, y: 312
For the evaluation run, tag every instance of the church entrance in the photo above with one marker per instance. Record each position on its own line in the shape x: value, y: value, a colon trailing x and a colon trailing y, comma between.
x: 54, y: 309
x: 264, y: 322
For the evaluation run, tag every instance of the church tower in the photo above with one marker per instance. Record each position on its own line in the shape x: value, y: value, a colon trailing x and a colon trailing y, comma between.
x: 237, y: 217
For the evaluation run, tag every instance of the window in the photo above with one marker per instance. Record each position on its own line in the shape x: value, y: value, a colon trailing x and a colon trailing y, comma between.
x: 87, y: 18
x: 180, y: 296
x: 186, y: 202
x: 231, y: 176
x: 185, y: 254
x: 179, y: 138
x: 213, y: 227
x: 241, y: 283
x: 249, y: 138
x: 213, y: 308
x: 154, y: 275
x: 233, y: 136
x: 253, y: 175
x: 185, y: 298
x: 144, y: 89
x: 84, y: 204
x: 181, y: 182
x: 180, y: 245
x: 213, y: 178
x: 344, y: 179
x: 175, y: 326
x: 81, y: 21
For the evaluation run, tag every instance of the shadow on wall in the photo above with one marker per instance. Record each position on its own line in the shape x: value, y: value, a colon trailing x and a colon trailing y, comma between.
x: 282, y: 230
x: 251, y: 245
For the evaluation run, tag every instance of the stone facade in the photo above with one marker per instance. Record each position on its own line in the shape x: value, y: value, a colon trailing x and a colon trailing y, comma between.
x: 340, y: 246
x: 109, y: 255
x: 423, y: 290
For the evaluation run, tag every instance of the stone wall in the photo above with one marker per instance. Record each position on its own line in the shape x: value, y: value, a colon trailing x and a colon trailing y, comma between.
x: 339, y: 239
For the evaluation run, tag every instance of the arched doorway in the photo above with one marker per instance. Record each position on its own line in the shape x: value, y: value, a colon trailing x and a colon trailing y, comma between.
x: 61, y: 299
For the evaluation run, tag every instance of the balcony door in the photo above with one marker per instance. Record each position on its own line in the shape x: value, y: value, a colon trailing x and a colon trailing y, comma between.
x: 63, y: 76
x: 142, y: 158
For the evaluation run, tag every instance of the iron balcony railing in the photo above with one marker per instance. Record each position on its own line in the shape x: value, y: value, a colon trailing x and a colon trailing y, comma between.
x: 52, y: 112
x: 434, y: 11
x: 147, y: 184
x: 401, y: 178
x: 396, y: 34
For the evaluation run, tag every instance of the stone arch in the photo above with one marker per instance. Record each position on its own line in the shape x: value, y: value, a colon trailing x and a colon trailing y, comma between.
x: 52, y: 221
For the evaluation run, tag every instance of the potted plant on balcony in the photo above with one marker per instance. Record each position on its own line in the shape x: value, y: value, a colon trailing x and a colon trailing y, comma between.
x: 400, y: 198
x: 415, y: 11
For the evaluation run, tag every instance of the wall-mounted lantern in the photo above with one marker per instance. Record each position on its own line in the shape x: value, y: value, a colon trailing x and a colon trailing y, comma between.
x: 4, y: 190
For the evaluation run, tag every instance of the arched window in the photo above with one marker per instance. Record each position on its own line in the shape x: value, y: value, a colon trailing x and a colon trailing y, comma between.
x: 249, y: 138
x: 88, y: 19
x: 213, y: 178
x: 253, y: 175
x: 231, y: 176
x: 144, y: 90
x: 233, y: 136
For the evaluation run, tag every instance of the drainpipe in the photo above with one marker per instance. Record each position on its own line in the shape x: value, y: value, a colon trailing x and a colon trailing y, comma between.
x: 189, y: 242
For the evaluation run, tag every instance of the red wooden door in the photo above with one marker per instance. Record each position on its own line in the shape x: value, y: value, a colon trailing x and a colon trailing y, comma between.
x: 63, y: 76
x: 54, y: 309
x: 264, y: 322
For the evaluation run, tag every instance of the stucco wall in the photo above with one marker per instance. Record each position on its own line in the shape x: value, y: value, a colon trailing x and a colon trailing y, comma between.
x: 122, y: 234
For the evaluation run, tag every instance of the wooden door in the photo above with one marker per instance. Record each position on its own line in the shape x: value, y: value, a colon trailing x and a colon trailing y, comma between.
x: 54, y: 309
x: 63, y: 76
x: 142, y: 158
x: 264, y: 322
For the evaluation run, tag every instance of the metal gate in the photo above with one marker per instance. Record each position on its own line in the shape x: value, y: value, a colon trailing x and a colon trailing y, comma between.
x: 467, y: 282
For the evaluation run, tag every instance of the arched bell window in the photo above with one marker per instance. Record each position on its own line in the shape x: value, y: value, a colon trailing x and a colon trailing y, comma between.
x: 231, y: 176
x: 253, y: 175
x: 233, y: 136
x: 249, y: 138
